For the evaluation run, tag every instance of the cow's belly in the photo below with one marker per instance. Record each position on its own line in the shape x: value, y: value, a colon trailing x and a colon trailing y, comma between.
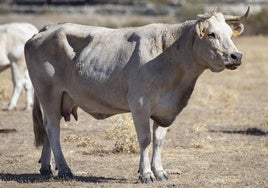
x: 99, y: 101
x: 99, y: 106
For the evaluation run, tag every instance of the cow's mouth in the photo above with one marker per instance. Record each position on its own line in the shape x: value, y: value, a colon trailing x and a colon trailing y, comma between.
x: 232, y: 66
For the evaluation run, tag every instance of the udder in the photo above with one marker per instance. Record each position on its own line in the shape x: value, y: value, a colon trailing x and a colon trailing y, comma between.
x: 68, y: 107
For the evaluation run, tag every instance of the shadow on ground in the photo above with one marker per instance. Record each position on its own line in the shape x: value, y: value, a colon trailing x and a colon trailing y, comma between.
x: 34, y: 178
x: 7, y: 131
x: 250, y: 131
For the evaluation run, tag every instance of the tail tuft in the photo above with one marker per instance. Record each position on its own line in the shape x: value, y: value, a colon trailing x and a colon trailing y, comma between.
x: 38, y: 127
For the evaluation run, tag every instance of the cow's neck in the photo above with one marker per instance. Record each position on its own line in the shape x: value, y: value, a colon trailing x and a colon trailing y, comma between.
x: 181, y: 76
x: 187, y: 65
x: 180, y: 58
x: 187, y: 58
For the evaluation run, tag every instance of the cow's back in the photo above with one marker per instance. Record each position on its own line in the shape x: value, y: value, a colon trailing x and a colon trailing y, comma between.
x: 93, y: 52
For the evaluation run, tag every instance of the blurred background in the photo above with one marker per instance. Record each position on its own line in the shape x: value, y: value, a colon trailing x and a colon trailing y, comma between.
x: 124, y: 13
x: 219, y: 140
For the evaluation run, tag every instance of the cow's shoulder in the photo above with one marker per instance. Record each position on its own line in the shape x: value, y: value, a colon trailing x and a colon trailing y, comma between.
x: 146, y: 32
x: 151, y: 40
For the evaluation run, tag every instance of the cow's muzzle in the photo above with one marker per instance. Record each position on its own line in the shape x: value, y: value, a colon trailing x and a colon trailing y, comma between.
x: 235, y: 61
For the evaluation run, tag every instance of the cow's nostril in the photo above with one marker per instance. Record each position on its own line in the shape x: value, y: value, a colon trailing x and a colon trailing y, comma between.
x: 236, y: 56
x: 233, y: 56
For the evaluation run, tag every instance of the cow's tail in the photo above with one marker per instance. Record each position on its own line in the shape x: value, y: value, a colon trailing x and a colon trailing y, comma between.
x: 38, y: 126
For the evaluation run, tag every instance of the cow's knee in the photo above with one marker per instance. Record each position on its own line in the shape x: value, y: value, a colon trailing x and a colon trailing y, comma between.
x: 144, y: 141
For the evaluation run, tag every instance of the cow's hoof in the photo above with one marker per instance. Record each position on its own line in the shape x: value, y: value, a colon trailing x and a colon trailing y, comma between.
x: 147, y: 177
x: 66, y: 174
x: 11, y: 109
x: 161, y: 175
x: 46, y: 171
x: 28, y: 108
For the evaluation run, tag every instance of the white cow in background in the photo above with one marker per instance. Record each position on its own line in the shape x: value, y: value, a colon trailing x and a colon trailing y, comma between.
x: 13, y: 36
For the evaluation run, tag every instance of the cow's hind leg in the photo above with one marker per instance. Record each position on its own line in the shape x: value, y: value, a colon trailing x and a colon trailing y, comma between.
x: 51, y: 108
x: 52, y: 127
x: 159, y: 134
x: 41, y: 138
x: 45, y: 169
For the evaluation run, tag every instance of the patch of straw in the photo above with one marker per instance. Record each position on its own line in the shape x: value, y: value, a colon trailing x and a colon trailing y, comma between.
x: 123, y: 133
x: 200, y: 136
x: 3, y: 94
x: 84, y: 142
x: 265, y: 122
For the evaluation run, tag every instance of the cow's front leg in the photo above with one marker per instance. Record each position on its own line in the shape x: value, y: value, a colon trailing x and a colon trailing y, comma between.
x: 144, y: 137
x: 142, y: 125
x: 159, y: 134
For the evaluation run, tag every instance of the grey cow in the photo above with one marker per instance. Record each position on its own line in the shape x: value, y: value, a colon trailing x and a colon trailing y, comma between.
x: 149, y: 71
x: 13, y: 37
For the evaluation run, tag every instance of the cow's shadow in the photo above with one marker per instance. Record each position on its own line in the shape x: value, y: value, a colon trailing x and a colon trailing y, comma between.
x: 35, y: 178
x: 250, y: 131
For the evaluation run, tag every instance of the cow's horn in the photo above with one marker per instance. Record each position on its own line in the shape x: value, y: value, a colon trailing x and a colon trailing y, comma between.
x: 214, y: 10
x: 230, y: 18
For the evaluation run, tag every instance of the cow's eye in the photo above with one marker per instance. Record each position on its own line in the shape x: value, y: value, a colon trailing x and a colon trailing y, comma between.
x: 212, y: 35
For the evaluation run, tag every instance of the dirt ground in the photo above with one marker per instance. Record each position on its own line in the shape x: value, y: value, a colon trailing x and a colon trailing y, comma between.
x: 219, y: 140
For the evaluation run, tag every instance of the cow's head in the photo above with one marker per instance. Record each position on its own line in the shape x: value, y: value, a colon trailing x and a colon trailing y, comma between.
x: 214, y: 45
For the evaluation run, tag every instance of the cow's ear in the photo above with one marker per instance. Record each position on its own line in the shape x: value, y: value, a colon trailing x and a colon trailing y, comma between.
x: 200, y: 28
x: 237, y: 28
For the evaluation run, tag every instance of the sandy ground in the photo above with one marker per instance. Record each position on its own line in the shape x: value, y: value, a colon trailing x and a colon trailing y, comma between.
x: 219, y: 140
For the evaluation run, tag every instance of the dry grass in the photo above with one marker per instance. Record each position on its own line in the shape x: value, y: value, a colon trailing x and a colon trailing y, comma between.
x: 3, y: 94
x: 123, y: 133
x: 200, y: 136
x: 84, y: 142
x: 265, y: 115
x: 5, y: 85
